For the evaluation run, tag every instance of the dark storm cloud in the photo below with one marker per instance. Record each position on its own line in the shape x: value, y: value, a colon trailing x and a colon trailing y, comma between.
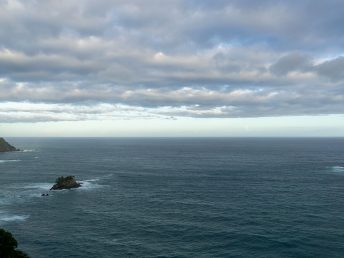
x: 171, y: 58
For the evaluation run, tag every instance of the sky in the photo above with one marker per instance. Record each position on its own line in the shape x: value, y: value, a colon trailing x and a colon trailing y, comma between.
x: 171, y: 68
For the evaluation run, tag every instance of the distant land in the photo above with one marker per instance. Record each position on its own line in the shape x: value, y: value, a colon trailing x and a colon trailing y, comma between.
x: 5, y: 146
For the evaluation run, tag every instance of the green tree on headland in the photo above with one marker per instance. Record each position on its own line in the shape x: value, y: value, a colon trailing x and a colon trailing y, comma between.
x: 8, y: 244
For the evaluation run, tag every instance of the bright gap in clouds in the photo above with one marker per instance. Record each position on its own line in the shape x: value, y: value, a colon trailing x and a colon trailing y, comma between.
x: 303, y: 126
x: 30, y: 119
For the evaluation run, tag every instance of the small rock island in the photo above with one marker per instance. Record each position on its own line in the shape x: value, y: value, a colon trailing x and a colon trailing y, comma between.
x: 67, y: 182
x: 6, y: 147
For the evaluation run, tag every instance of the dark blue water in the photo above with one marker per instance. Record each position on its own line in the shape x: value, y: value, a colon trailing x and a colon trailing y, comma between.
x: 176, y: 197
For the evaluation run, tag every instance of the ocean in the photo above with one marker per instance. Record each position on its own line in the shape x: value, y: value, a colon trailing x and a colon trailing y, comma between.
x: 176, y: 197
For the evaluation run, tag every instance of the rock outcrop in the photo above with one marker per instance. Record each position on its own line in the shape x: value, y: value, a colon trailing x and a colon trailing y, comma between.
x: 5, y: 146
x: 67, y: 182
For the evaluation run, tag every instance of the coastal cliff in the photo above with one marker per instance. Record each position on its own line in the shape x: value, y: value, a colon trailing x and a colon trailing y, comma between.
x: 5, y: 146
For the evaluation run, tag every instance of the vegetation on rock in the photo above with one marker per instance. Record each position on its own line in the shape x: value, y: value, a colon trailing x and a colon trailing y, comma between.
x: 67, y: 182
x: 8, y: 245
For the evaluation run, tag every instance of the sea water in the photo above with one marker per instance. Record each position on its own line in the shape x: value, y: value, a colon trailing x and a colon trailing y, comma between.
x: 176, y: 197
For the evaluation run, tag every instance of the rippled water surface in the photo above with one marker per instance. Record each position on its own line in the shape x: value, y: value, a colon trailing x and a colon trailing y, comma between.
x: 178, y: 197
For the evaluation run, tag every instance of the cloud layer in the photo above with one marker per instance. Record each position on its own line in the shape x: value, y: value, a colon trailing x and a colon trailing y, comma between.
x: 72, y: 60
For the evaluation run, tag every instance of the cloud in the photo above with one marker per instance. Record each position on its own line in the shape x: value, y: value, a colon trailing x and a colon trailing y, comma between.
x: 332, y: 69
x: 177, y: 58
x: 290, y: 63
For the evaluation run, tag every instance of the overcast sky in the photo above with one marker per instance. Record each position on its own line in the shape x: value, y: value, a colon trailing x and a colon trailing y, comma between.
x: 172, y: 68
